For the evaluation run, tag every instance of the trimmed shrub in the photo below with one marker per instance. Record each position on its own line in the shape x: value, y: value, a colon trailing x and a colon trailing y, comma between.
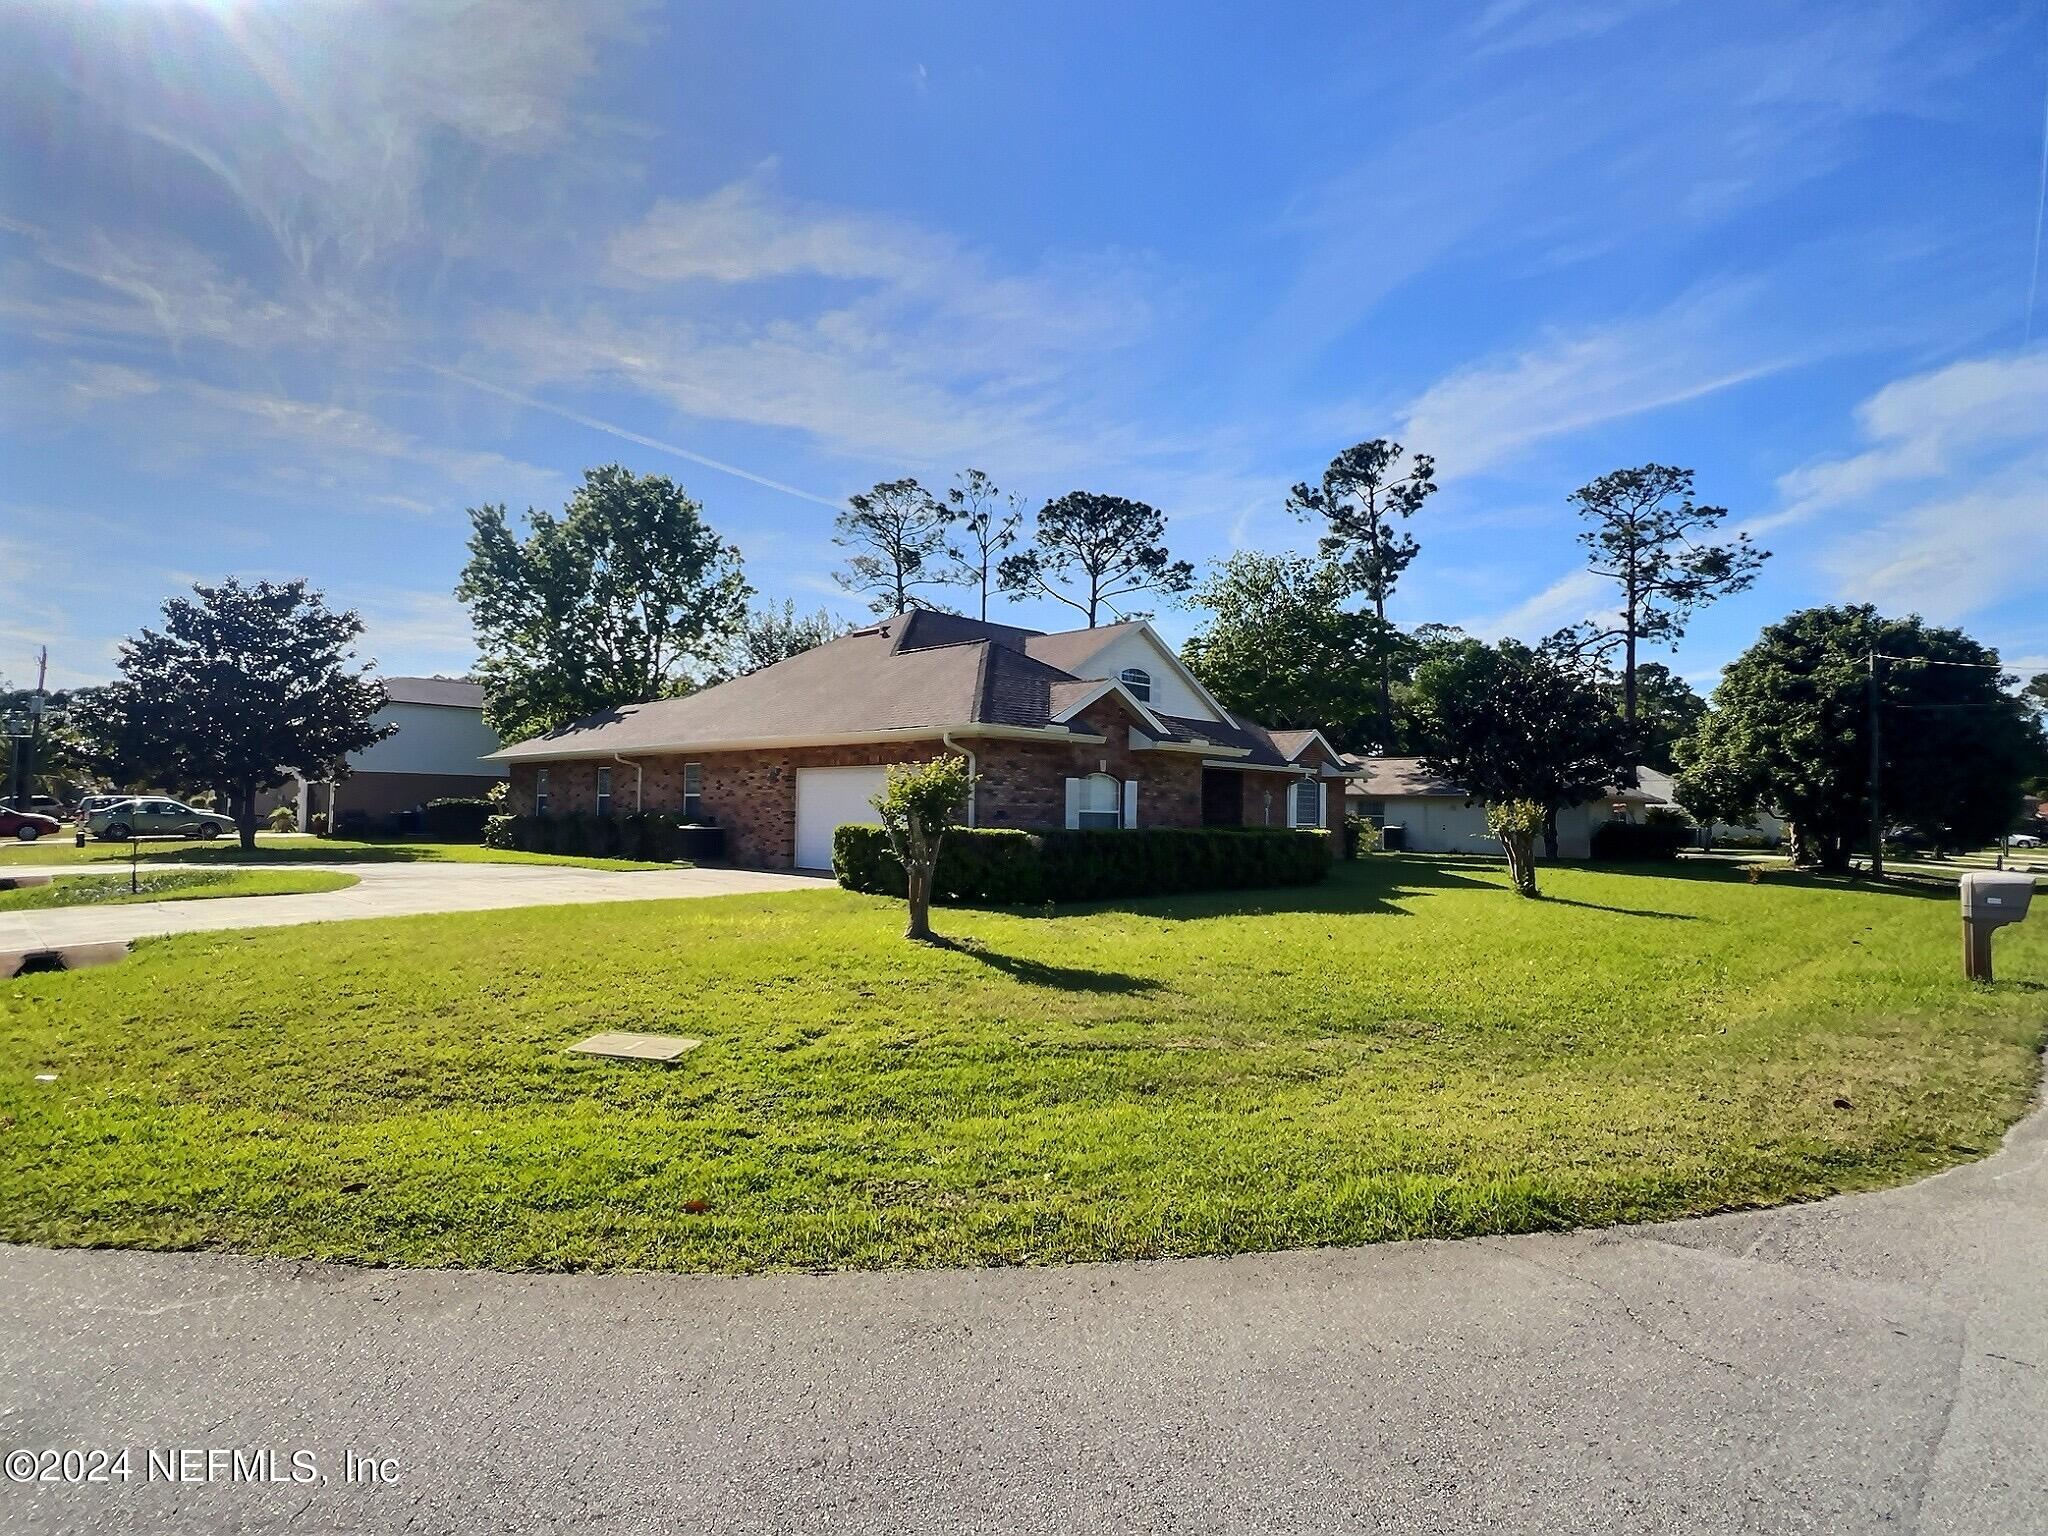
x: 1624, y: 842
x: 1003, y: 867
x: 653, y: 836
x: 456, y: 821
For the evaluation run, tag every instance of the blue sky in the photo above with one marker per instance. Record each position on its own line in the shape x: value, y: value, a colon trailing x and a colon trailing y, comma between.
x: 284, y: 288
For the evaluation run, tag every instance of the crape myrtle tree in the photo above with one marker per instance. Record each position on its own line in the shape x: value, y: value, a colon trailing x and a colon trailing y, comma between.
x: 1790, y: 731
x: 1514, y: 724
x: 242, y: 687
x: 918, y: 804
x: 1652, y: 540
x: 1281, y: 646
x: 899, y: 535
x: 1103, y: 547
x: 988, y: 522
x: 622, y: 598
x: 1366, y: 493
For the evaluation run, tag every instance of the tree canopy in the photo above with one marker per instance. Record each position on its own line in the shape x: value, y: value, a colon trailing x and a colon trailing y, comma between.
x: 987, y: 521
x: 620, y: 599
x: 1790, y: 731
x: 775, y: 634
x: 1366, y: 493
x: 1282, y: 647
x: 898, y: 533
x: 1511, y: 723
x: 242, y: 687
x: 1651, y: 540
x: 1668, y: 710
x: 1104, y: 547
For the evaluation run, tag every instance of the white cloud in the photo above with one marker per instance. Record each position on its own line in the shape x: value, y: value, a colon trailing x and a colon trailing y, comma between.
x: 1486, y: 414
x: 1572, y: 597
x: 342, y: 115
x: 1948, y: 494
x: 1923, y: 428
x: 743, y: 232
x: 881, y: 339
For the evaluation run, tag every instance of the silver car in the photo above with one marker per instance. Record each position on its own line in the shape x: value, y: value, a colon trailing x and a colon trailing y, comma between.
x: 154, y: 816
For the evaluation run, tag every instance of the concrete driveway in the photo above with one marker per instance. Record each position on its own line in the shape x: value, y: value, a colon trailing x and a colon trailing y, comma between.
x: 1876, y: 1363
x: 383, y: 890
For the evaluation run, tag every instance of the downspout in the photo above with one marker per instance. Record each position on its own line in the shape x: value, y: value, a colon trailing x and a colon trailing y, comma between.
x: 637, y: 779
x: 946, y: 740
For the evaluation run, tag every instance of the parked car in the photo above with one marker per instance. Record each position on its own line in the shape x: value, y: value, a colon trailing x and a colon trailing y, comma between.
x: 27, y: 825
x: 154, y: 816
x: 2024, y: 840
x: 90, y: 803
x: 41, y: 805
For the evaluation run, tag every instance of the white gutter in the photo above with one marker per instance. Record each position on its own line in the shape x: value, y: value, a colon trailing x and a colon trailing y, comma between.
x: 638, y: 777
x: 973, y: 770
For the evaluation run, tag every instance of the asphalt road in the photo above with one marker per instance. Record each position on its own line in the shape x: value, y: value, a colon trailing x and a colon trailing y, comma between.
x: 1876, y: 1363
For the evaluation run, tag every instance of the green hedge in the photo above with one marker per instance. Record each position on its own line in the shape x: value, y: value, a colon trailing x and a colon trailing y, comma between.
x: 997, y: 867
x: 1622, y: 842
x: 654, y: 836
x: 456, y: 821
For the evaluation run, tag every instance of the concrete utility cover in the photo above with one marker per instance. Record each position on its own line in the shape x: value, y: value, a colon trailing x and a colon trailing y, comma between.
x: 631, y: 1047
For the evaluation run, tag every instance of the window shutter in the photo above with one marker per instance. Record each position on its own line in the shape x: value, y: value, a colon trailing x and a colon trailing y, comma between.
x: 1130, y: 802
x: 1073, y: 802
x: 1322, y: 804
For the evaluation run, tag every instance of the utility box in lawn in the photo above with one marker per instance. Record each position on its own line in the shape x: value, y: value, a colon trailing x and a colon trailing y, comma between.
x: 1990, y: 901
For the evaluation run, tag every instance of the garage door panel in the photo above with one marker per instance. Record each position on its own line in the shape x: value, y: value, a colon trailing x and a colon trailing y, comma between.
x: 827, y: 799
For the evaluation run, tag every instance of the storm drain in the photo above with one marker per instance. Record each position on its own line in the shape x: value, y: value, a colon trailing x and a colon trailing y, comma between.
x: 631, y: 1047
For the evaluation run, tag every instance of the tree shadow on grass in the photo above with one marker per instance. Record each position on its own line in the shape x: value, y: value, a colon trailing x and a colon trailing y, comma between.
x: 1924, y: 887
x: 1358, y: 887
x: 1600, y: 906
x: 1037, y: 973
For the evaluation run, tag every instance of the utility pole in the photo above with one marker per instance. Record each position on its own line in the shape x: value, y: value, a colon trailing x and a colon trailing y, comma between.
x: 1876, y: 778
x: 24, y: 750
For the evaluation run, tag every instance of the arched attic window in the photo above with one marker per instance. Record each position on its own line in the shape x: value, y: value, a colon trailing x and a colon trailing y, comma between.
x: 1138, y: 681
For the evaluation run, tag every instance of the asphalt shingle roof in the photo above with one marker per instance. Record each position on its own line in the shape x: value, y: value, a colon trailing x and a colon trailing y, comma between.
x: 910, y: 671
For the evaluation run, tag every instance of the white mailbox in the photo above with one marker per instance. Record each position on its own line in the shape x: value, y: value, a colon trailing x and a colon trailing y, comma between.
x: 1990, y: 901
x: 1994, y: 899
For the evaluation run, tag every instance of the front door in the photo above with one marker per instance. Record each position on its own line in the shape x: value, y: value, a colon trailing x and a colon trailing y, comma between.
x: 1222, y: 798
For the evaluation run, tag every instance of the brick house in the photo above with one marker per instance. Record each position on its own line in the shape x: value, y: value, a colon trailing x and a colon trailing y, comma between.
x: 1086, y: 728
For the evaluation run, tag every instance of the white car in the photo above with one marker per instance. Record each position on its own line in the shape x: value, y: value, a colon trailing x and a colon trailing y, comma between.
x: 2023, y: 840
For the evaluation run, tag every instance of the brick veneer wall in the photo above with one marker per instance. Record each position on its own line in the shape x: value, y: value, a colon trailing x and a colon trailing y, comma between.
x: 753, y: 794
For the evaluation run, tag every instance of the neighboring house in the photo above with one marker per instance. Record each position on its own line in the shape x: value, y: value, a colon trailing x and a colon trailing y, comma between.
x: 1087, y: 728
x: 440, y: 751
x: 1436, y: 816
x: 1765, y: 824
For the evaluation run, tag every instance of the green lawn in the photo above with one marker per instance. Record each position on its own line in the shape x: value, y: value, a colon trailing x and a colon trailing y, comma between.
x: 1408, y: 1051
x: 171, y: 885
x: 294, y: 850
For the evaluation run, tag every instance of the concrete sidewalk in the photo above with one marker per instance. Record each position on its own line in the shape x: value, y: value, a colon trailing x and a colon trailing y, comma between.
x: 383, y: 890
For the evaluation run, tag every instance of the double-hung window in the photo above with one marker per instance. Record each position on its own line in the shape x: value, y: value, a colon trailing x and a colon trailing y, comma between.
x: 540, y: 792
x: 1138, y: 681
x: 693, y: 791
x: 604, y: 791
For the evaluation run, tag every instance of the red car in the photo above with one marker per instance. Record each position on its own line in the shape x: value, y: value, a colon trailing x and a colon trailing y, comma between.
x: 27, y: 825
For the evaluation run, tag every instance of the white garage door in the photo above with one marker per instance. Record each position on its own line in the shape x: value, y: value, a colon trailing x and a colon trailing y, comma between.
x: 827, y: 798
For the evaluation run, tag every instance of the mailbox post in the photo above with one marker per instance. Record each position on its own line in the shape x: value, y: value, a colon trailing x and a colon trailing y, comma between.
x: 1990, y: 901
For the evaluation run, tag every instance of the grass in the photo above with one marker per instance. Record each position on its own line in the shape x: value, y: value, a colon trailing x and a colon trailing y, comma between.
x: 296, y: 850
x: 1408, y: 1051
x: 171, y: 885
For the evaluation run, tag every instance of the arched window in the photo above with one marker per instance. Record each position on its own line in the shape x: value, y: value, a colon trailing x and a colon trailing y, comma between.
x: 1102, y: 801
x: 1139, y: 681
